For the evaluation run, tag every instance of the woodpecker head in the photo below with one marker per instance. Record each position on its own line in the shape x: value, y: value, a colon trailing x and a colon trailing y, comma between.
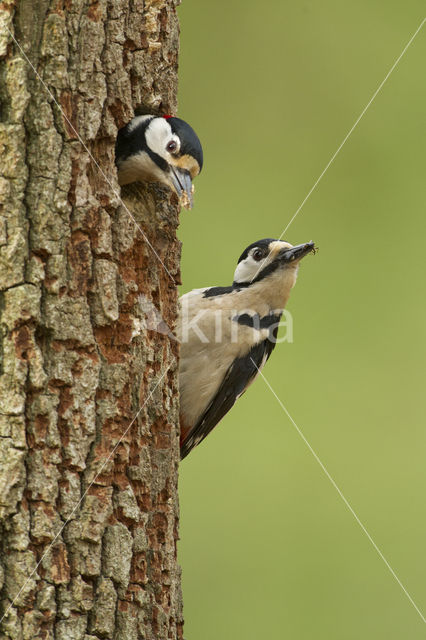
x: 159, y: 149
x: 272, y: 263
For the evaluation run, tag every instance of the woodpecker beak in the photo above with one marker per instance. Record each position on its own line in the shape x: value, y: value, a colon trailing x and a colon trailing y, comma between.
x: 296, y: 253
x: 181, y: 179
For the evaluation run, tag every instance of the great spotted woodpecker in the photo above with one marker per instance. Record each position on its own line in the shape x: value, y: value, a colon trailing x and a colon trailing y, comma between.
x: 228, y: 333
x: 159, y: 149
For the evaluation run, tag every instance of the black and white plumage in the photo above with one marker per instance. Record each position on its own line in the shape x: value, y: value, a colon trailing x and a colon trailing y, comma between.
x: 159, y: 149
x: 228, y: 333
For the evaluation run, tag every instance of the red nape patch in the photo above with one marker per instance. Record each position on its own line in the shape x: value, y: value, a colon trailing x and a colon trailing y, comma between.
x: 167, y: 117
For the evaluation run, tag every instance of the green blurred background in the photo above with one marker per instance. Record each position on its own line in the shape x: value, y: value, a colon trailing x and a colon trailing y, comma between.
x: 268, y: 548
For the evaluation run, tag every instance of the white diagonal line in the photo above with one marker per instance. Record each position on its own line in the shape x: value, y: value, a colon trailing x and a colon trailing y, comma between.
x: 340, y: 493
x: 93, y: 159
x: 349, y: 133
x: 164, y: 267
x: 83, y: 496
x: 355, y: 124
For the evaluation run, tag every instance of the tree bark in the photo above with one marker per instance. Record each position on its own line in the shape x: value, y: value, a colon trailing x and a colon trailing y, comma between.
x: 88, y: 391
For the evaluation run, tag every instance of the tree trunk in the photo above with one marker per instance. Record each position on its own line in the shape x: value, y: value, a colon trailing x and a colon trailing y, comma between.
x: 88, y: 391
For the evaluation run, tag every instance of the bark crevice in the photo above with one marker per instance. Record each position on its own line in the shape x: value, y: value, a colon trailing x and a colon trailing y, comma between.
x: 88, y: 549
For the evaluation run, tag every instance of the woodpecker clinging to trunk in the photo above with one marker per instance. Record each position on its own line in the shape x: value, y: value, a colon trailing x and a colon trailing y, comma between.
x: 159, y: 149
x: 228, y: 333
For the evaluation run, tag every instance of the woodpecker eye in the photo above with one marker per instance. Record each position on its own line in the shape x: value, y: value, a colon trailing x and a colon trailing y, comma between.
x: 171, y: 146
x: 258, y: 254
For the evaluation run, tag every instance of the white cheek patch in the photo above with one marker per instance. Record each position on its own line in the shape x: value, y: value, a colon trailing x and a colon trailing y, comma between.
x: 158, y: 133
x: 140, y: 167
x: 246, y: 270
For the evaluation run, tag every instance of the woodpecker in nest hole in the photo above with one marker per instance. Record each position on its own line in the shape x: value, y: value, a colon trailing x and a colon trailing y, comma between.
x: 228, y: 333
x: 159, y: 149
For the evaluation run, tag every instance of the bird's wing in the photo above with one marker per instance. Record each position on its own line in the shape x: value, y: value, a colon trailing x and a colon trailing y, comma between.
x: 238, y: 377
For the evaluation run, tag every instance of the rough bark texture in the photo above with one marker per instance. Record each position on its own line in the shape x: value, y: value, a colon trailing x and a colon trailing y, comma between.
x: 88, y: 528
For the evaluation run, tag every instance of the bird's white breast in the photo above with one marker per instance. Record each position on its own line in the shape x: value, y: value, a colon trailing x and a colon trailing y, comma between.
x: 210, y: 342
